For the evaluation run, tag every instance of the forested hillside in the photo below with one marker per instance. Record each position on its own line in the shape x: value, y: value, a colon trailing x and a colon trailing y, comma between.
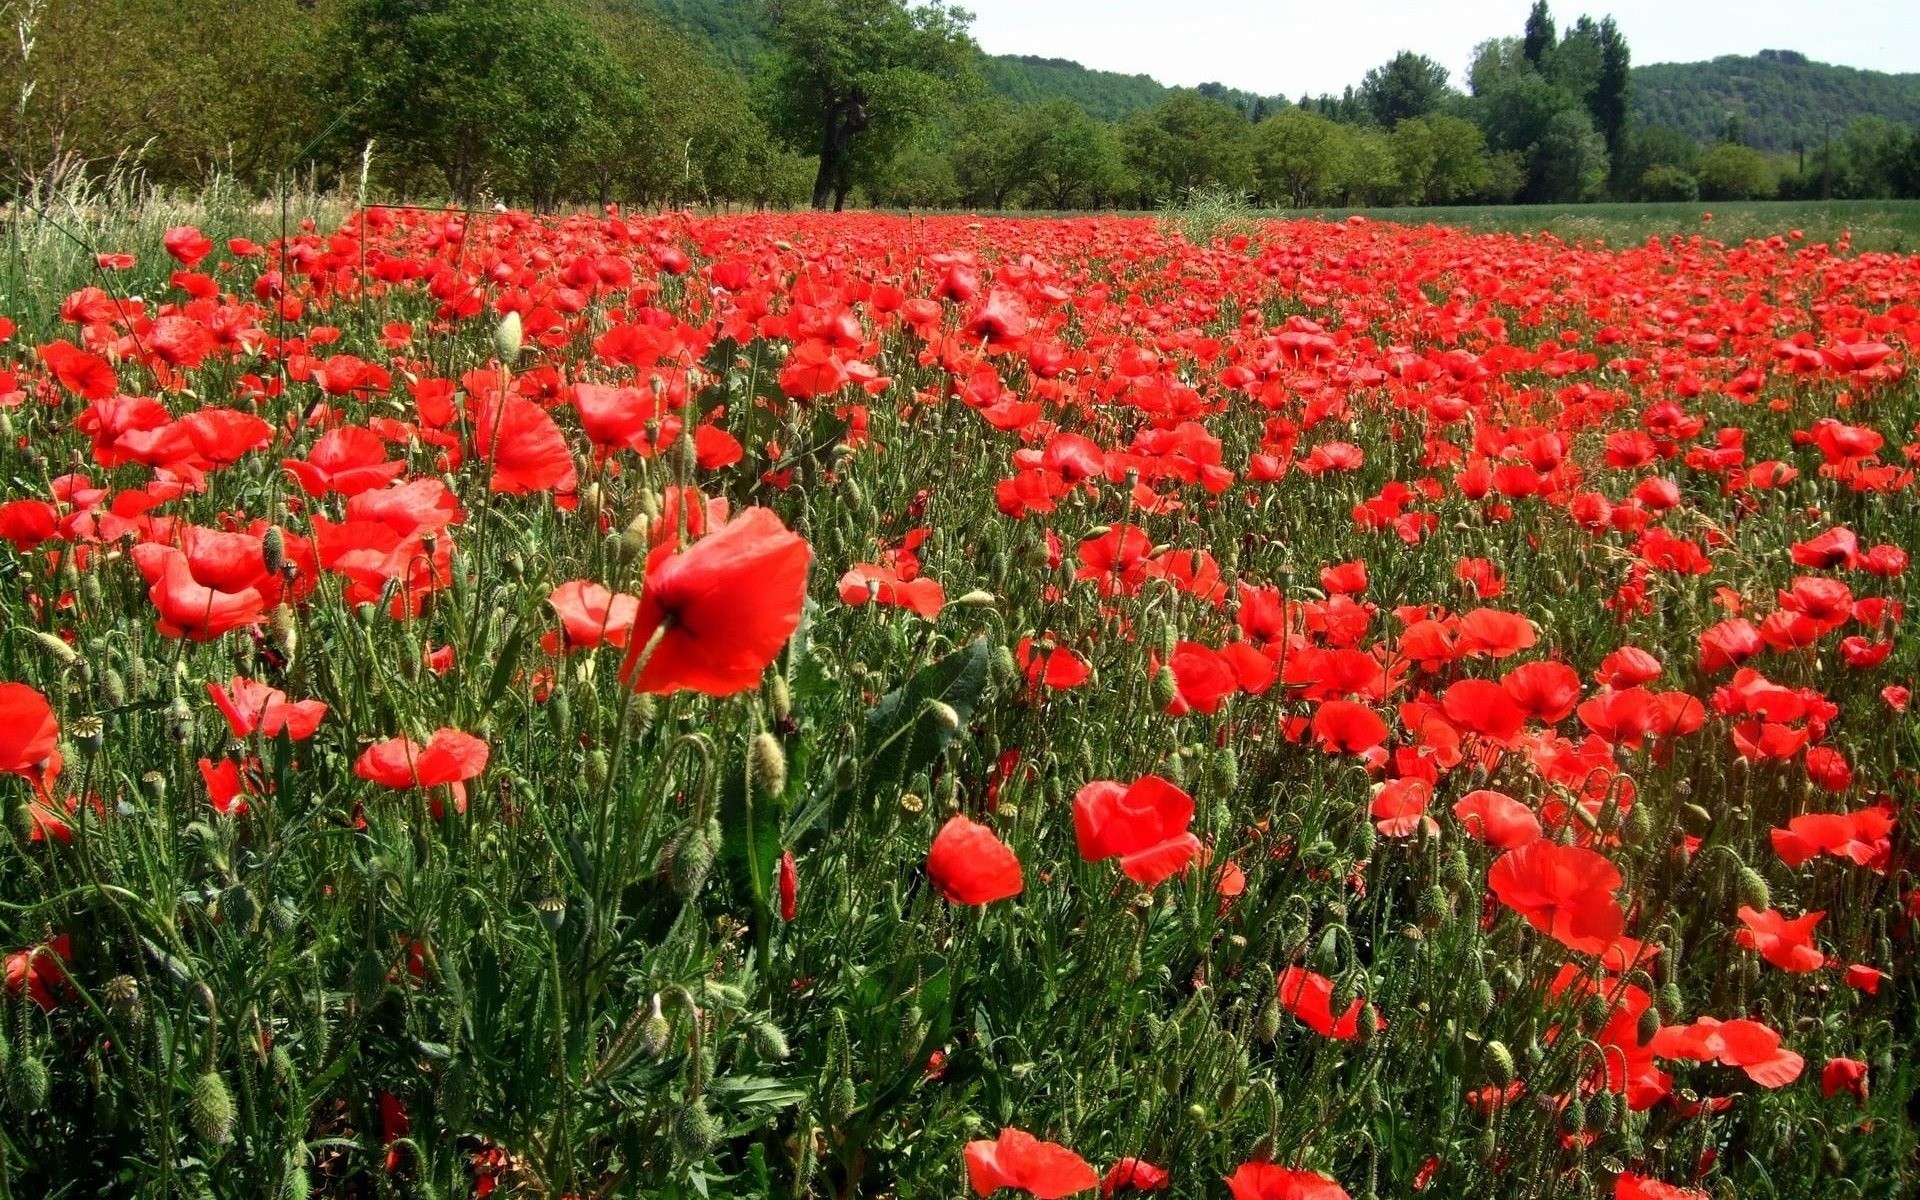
x: 891, y: 103
x: 1778, y: 99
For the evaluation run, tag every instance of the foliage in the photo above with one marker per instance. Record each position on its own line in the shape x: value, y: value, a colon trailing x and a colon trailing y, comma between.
x: 1188, y: 142
x: 1784, y: 100
x: 1730, y: 172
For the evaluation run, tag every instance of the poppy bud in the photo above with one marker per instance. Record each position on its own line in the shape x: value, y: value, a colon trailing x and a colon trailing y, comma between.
x: 1483, y: 999
x: 768, y: 1041
x: 1753, y: 890
x: 238, y: 910
x: 977, y: 598
x: 692, y: 852
x: 656, y: 1032
x: 1435, y: 906
x: 56, y: 648
x: 944, y: 714
x: 1574, y: 1117
x: 210, y: 1109
x: 694, y: 1129
x: 1266, y: 1024
x: 273, y: 550
x: 769, y: 766
x: 1166, y: 689
x: 508, y: 337
x: 1835, y: 1161
x: 28, y: 1083
x: 1226, y: 770
x: 1500, y: 1062
x: 1649, y: 1023
x: 779, y: 698
x: 560, y: 715
x: 597, y: 768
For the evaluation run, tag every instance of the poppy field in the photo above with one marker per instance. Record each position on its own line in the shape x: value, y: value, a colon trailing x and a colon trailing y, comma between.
x: 863, y: 706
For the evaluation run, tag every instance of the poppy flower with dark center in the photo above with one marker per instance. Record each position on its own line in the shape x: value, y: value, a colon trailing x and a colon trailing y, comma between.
x: 712, y: 617
x: 1271, y: 1181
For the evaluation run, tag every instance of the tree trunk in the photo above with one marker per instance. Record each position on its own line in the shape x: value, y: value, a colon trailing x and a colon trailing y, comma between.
x: 844, y: 119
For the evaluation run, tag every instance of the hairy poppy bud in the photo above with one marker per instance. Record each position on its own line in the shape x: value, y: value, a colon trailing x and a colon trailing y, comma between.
x: 768, y: 1040
x: 1166, y: 689
x: 210, y: 1109
x: 369, y: 979
x: 769, y: 766
x: 694, y: 1129
x: 1435, y: 906
x: 693, y: 850
x: 28, y: 1084
x: 1500, y: 1062
x: 1753, y: 890
x: 779, y: 698
x: 656, y: 1032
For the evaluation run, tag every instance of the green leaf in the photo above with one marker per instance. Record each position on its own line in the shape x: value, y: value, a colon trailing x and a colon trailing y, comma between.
x: 903, y: 730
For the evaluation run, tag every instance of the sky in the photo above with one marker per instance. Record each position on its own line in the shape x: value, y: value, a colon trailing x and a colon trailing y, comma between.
x: 1290, y: 46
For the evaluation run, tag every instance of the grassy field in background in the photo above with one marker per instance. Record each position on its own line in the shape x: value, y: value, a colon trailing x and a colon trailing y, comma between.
x: 1879, y: 225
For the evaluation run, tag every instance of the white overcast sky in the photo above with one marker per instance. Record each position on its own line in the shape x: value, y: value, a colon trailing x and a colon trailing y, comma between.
x: 1290, y: 46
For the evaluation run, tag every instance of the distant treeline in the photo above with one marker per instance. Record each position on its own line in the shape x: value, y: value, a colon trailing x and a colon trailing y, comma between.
x: 889, y: 103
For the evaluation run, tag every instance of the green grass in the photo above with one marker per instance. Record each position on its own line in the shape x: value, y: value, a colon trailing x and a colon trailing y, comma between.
x: 1876, y: 225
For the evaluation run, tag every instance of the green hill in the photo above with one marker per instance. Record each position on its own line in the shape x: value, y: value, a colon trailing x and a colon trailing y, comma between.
x: 1781, y: 99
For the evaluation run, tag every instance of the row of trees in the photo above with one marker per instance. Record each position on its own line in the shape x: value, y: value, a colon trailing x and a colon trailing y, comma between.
x: 883, y: 101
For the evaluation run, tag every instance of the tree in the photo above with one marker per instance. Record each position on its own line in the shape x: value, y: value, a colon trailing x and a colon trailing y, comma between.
x: 1368, y: 175
x: 987, y: 154
x: 1539, y: 38
x: 502, y: 94
x: 1408, y: 85
x: 1187, y: 142
x: 1496, y: 61
x: 1612, y: 90
x: 1732, y: 172
x: 1649, y: 146
x: 1439, y: 159
x: 1070, y: 158
x: 862, y: 69
x: 1298, y: 157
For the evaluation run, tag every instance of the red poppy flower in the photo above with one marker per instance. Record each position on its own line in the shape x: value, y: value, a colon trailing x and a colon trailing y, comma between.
x: 29, y: 735
x: 1203, y: 679
x: 1135, y: 1174
x: 869, y: 583
x: 1565, y: 892
x: 1545, y: 691
x: 251, y: 708
x: 187, y: 245
x: 1844, y: 1075
x: 1052, y: 666
x: 1143, y: 823
x: 1309, y: 997
x: 1787, y: 944
x: 1342, y: 726
x: 1270, y: 1181
x: 1023, y: 1162
x: 526, y: 449
x: 971, y: 866
x: 1399, y: 807
x: 40, y: 973
x: 722, y: 608
x: 348, y: 460
x: 1497, y: 819
x: 1484, y: 707
x: 590, y: 615
x: 1629, y: 1186
x: 449, y: 759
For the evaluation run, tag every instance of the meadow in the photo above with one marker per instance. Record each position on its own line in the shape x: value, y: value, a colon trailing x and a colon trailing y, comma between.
x: 644, y: 704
